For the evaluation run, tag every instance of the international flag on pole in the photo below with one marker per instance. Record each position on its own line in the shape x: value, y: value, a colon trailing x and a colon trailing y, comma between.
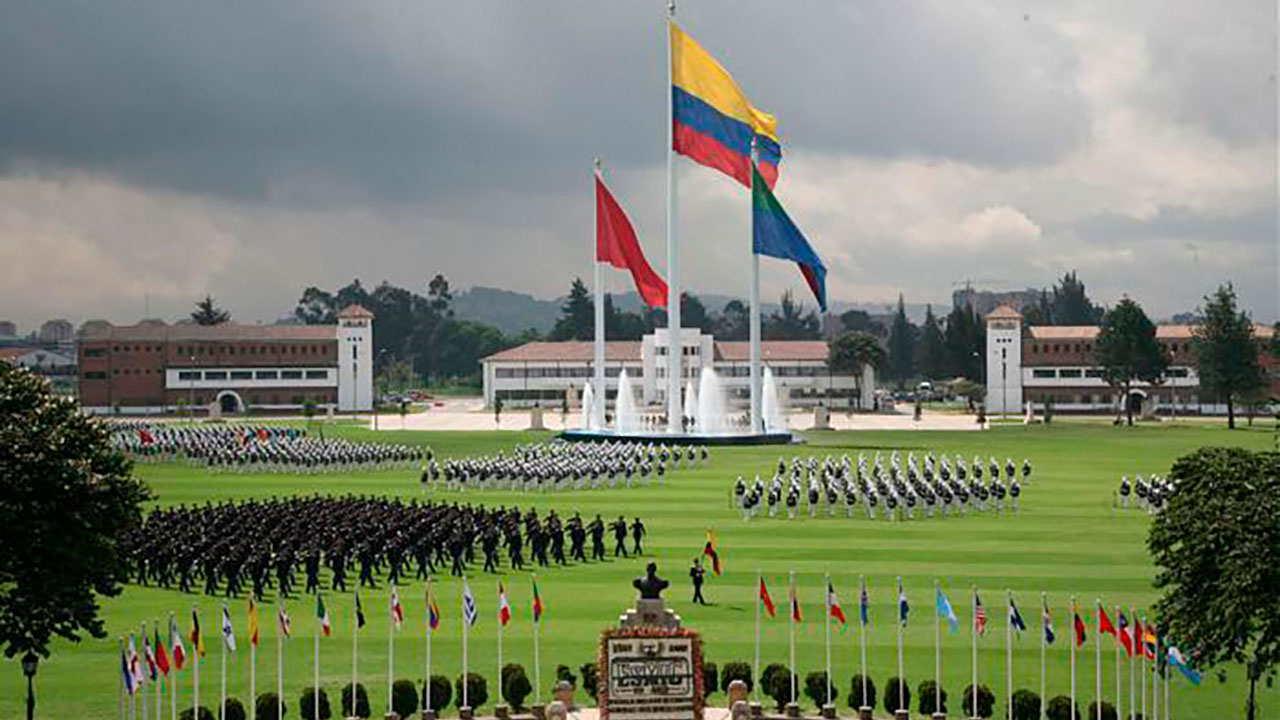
x: 864, y: 605
x: 1104, y: 624
x: 135, y: 663
x: 282, y: 622
x: 152, y: 670
x: 197, y: 638
x: 1015, y: 617
x: 228, y: 633
x: 504, y: 607
x: 126, y: 672
x: 766, y: 600
x: 903, y: 608
x: 537, y: 603
x: 979, y: 615
x: 774, y: 234
x: 834, y: 602
x: 1046, y: 619
x: 1149, y: 642
x: 162, y: 655
x: 433, y: 610
x: 1125, y: 634
x: 252, y: 627
x: 713, y: 122
x: 946, y: 612
x: 322, y: 614
x: 1078, y: 625
x: 359, y: 611
x: 617, y: 245
x: 469, y: 610
x: 1137, y: 636
x: 175, y: 640
x: 710, y: 551
x: 795, y: 605
x: 397, y: 610
x: 1179, y: 662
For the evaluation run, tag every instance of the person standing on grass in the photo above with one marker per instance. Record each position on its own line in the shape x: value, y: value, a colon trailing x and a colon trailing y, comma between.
x: 697, y: 574
x: 637, y: 534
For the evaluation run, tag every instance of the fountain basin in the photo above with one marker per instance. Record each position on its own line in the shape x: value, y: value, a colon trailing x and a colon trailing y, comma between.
x: 726, y: 439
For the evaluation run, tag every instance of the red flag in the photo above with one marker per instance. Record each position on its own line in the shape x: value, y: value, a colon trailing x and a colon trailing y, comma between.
x: 617, y: 245
x: 1125, y: 635
x: 1079, y: 627
x: 795, y: 606
x: 162, y: 655
x: 145, y: 437
x: 768, y: 601
x: 834, y: 602
x: 1104, y: 623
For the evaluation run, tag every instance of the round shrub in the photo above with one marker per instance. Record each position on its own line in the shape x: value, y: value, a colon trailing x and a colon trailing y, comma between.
x: 929, y: 697
x: 477, y: 690
x: 1026, y: 705
x: 775, y: 681
x: 362, y: 702
x: 204, y: 714
x: 515, y: 685
x: 404, y: 698
x: 1060, y: 708
x: 1108, y: 711
x: 986, y: 702
x: 736, y: 671
x: 307, y: 705
x: 710, y: 678
x: 856, y: 699
x: 892, y: 688
x: 441, y: 693
x: 816, y: 685
x: 590, y: 679
x: 269, y: 707
x: 232, y: 709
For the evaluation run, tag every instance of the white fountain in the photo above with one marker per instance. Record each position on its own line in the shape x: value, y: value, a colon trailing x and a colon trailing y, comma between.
x: 626, y: 416
x: 770, y: 408
x: 691, y: 405
x: 589, y: 419
x: 713, y: 416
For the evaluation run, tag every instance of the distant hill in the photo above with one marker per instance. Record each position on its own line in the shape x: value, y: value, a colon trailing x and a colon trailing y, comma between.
x: 514, y: 312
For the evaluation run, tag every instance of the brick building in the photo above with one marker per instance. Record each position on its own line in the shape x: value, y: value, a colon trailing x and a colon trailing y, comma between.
x: 1056, y: 362
x: 153, y: 367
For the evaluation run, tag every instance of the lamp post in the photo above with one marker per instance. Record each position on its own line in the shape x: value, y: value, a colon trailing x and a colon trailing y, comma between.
x: 29, y: 663
x: 191, y: 389
x: 1004, y: 383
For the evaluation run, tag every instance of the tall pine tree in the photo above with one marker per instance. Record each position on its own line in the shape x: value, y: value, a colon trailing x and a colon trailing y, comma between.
x: 1226, y: 351
x: 932, y: 356
x: 901, y: 343
x: 1128, y: 351
x: 577, y: 320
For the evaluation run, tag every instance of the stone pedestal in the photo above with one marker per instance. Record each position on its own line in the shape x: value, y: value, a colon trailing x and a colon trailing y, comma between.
x: 564, y: 696
x: 737, y: 693
x: 821, y: 418
x: 650, y: 613
x: 393, y: 715
x: 864, y: 713
x: 757, y: 711
x: 466, y: 713
x: 829, y: 711
x: 939, y: 716
x: 793, y: 710
x: 739, y: 711
x: 557, y: 711
x: 539, y: 712
x: 502, y: 712
x: 901, y: 715
x: 427, y: 715
x: 535, y: 419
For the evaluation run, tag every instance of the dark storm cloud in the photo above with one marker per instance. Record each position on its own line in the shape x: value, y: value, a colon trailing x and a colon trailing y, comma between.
x: 404, y: 101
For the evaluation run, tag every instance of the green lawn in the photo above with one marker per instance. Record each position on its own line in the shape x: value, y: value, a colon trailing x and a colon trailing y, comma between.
x: 1067, y: 539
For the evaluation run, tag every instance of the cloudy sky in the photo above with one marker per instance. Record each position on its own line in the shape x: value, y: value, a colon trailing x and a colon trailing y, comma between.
x: 153, y: 151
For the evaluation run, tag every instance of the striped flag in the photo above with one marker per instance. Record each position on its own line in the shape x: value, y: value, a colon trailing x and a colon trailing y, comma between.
x: 135, y: 663
x: 1078, y: 625
x: 795, y: 606
x: 397, y: 610
x: 282, y: 622
x: 504, y: 607
x: 1179, y: 662
x: 710, y: 551
x: 537, y: 603
x: 946, y: 612
x: 979, y: 615
x: 175, y: 640
x: 252, y: 627
x: 197, y: 638
x: 433, y: 610
x: 1015, y: 617
x: 228, y: 633
x: 359, y: 611
x: 767, y: 600
x: 152, y: 671
x: 1046, y: 619
x: 834, y: 603
x: 469, y: 610
x: 864, y: 605
x: 903, y: 608
x: 322, y: 614
x: 125, y: 672
x: 1125, y: 634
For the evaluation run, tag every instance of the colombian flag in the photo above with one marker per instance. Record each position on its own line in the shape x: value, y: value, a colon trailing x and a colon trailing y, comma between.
x: 713, y: 121
x: 710, y: 551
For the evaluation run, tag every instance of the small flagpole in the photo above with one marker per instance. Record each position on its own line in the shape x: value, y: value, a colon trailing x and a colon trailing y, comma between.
x: 598, y: 397
x: 427, y: 667
x: 122, y: 672
x: 1072, y: 643
x: 1155, y: 681
x: 757, y: 424
x: 1119, y: 693
x: 756, y: 666
x: 315, y: 699
x: 195, y: 654
x: 794, y: 602
x: 498, y: 694
x: 826, y: 625
x: 160, y: 676
x: 537, y: 658
x: 253, y: 678
x: 222, y: 692
x: 355, y: 639
x: 133, y: 692
x: 391, y: 649
x: 1167, y: 715
x: 279, y: 666
x: 465, y: 679
x: 142, y: 686
x: 156, y: 689
x: 173, y: 691
x: 1133, y: 667
x: 973, y: 636
x: 1008, y: 642
x: 1097, y: 658
x: 1142, y: 670
x: 862, y: 637
x: 1044, y: 607
x: 902, y: 688
x: 937, y: 648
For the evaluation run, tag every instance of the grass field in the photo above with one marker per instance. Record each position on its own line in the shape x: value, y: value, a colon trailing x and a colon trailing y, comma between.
x: 1066, y: 540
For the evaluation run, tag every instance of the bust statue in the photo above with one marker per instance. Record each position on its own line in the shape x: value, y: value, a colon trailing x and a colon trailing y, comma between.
x: 650, y: 586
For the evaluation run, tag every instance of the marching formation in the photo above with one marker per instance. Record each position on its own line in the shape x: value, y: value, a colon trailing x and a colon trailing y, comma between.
x: 932, y: 486
x: 559, y: 465
x: 1148, y: 495
x: 260, y: 545
x: 258, y: 448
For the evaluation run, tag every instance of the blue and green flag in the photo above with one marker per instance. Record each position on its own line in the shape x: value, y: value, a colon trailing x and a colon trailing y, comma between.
x: 774, y: 234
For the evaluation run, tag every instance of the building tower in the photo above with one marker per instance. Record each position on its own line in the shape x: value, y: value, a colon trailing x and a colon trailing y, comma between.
x: 355, y: 359
x: 1004, y: 361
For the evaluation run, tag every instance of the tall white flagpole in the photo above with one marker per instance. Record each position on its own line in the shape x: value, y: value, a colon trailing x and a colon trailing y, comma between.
x: 315, y: 699
x: 1072, y: 642
x: 598, y: 397
x: 222, y: 692
x: 355, y: 641
x: 902, y: 687
x: 498, y: 694
x: 675, y: 346
x: 827, y: 631
x: 1133, y: 667
x: 1008, y: 644
x: 937, y: 649
x: 427, y: 662
x: 973, y: 636
x: 756, y: 666
x: 195, y: 655
x: 757, y: 424
x: 142, y: 687
x: 1097, y: 657
x: 537, y: 657
x: 1044, y: 607
x: 465, y: 679
x: 160, y: 677
x: 792, y: 602
x: 121, y: 692
x: 1142, y: 670
x: 1119, y: 690
x: 1167, y: 714
x: 391, y: 651
x: 862, y: 637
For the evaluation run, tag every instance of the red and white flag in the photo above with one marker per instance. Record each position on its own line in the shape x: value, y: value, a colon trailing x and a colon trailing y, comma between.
x: 833, y: 603
x: 979, y: 615
x: 175, y: 641
x: 504, y: 607
x: 397, y: 610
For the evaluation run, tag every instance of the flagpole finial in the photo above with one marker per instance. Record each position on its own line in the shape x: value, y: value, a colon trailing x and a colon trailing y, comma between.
x: 671, y: 8
x: 596, y: 162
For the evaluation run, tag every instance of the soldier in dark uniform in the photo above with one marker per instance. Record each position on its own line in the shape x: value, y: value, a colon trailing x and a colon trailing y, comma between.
x: 637, y: 534
x: 597, y: 538
x: 619, y: 528
x: 696, y: 575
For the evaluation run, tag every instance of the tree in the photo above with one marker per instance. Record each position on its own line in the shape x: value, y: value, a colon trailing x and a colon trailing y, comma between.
x: 897, y: 695
x: 775, y: 681
x: 1071, y: 305
x: 901, y: 343
x: 309, y: 703
x: 852, y: 351
x: 693, y: 314
x: 477, y: 690
x: 932, y: 355
x: 441, y: 693
x: 1040, y: 313
x: 1128, y: 351
x: 577, y: 319
x: 931, y: 700
x: 316, y: 307
x: 736, y: 671
x: 1214, y: 550
x: 208, y: 313
x: 404, y: 698
x: 1026, y: 705
x: 817, y: 686
x: 515, y: 685
x: 361, y: 707
x: 69, y: 502
x: 791, y: 322
x: 861, y: 321
x: 981, y: 706
x: 965, y: 338
x: 734, y: 322
x: 856, y: 698
x: 1061, y: 708
x: 620, y: 324
x: 1226, y: 351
